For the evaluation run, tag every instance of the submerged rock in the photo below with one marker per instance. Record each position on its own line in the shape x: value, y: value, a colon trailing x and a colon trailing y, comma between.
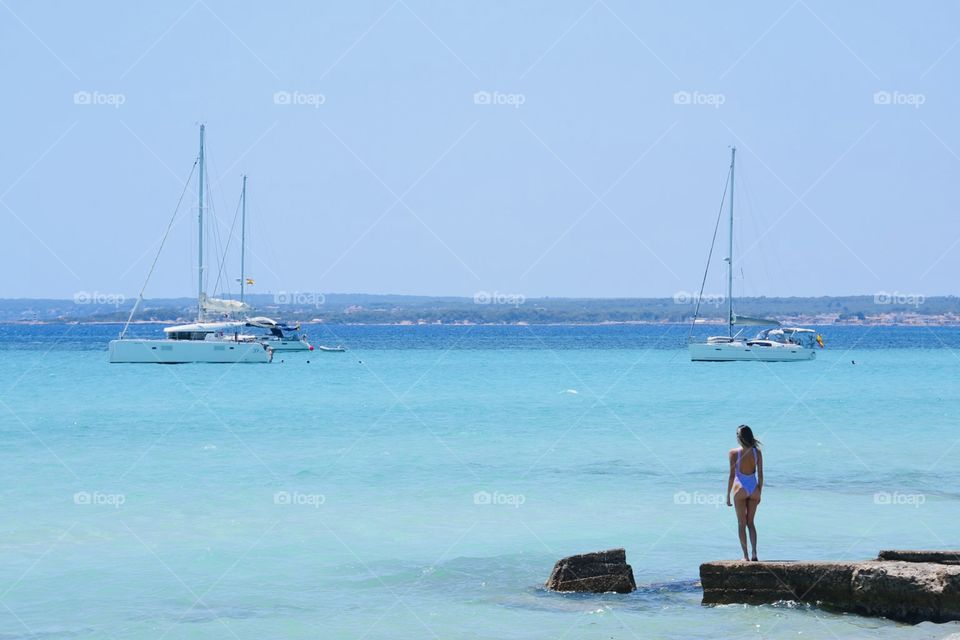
x: 598, y: 572
x: 905, y: 591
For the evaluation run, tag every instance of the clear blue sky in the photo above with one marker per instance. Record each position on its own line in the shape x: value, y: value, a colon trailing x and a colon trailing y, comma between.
x: 598, y: 184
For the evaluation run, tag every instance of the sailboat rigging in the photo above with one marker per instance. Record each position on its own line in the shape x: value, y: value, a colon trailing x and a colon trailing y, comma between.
x: 776, y: 344
x: 202, y: 341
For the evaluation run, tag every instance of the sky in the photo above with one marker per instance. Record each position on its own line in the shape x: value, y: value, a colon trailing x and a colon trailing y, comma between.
x: 569, y: 149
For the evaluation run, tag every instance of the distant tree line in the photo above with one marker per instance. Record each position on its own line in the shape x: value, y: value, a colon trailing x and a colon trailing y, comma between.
x: 488, y: 309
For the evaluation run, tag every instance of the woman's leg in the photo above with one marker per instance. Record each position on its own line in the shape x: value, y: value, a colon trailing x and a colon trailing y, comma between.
x: 740, y: 505
x: 751, y: 511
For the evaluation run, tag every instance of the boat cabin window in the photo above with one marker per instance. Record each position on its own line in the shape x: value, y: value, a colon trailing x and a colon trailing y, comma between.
x: 187, y: 335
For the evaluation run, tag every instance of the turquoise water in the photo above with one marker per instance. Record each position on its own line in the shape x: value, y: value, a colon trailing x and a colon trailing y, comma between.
x: 423, y: 483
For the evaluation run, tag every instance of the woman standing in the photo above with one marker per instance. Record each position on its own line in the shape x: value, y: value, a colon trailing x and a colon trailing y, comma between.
x: 746, y: 483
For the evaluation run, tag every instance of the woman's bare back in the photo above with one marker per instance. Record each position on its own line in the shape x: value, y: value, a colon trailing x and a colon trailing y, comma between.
x: 748, y: 459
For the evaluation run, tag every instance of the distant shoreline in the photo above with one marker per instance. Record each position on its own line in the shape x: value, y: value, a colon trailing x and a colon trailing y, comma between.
x: 497, y: 309
x: 706, y: 323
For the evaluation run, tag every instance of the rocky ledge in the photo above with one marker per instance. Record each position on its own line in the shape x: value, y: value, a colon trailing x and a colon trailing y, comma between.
x: 937, y: 557
x: 598, y: 572
x: 914, y: 590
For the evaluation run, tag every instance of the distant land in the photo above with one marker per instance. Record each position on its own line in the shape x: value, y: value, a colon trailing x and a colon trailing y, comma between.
x: 498, y: 308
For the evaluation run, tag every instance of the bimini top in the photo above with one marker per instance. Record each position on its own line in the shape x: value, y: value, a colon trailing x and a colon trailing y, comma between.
x: 784, y: 333
x: 268, y: 323
x: 205, y: 327
x: 261, y: 321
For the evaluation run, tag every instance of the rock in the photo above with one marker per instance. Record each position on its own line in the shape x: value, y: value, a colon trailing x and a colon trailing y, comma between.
x: 598, y: 572
x: 764, y: 582
x: 904, y: 591
x: 937, y: 557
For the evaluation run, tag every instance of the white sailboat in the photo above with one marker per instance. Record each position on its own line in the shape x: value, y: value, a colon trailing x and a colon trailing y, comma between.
x: 278, y: 336
x: 202, y: 341
x: 776, y: 344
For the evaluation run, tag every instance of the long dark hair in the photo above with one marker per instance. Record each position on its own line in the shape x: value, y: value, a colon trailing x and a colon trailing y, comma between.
x: 745, y: 437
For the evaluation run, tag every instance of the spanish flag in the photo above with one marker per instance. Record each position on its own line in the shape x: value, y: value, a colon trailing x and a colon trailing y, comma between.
x: 249, y: 280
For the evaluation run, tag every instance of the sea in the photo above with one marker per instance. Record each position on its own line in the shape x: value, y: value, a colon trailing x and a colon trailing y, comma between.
x: 422, y: 483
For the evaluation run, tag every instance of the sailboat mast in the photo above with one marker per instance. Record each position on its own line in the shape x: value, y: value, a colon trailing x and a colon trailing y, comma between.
x: 200, y: 233
x: 733, y: 158
x: 243, y: 235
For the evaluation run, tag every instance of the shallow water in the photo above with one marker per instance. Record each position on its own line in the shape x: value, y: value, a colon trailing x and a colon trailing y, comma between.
x: 423, y: 483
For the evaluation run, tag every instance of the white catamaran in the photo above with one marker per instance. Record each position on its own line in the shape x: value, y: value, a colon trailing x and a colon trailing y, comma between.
x: 777, y: 344
x: 202, y: 341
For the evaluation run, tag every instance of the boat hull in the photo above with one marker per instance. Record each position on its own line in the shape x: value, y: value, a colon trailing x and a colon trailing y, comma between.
x: 187, y: 351
x: 288, y: 345
x: 739, y: 351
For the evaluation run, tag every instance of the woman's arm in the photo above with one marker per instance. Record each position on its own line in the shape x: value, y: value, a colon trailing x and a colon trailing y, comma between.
x: 759, y: 470
x: 733, y: 464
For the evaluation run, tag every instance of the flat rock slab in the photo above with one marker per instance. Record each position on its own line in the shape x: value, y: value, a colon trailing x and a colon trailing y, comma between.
x: 598, y: 572
x: 905, y: 591
x: 937, y: 557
